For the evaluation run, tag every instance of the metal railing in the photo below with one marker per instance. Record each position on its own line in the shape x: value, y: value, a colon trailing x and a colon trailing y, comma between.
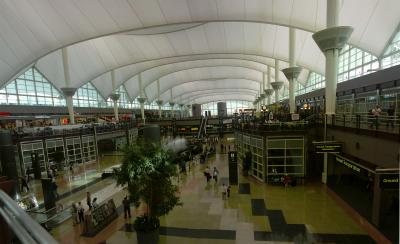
x: 271, y: 127
x: 23, y: 226
x: 388, y: 124
x: 84, y: 130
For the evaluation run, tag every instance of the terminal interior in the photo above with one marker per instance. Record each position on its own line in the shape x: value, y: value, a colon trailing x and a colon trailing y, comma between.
x: 276, y: 121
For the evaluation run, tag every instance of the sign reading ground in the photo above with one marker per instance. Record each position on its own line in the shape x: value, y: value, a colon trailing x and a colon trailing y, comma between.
x: 328, y: 147
x: 389, y: 181
x: 348, y: 164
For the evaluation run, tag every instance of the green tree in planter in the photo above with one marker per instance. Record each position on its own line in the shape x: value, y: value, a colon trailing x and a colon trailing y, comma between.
x: 148, y: 173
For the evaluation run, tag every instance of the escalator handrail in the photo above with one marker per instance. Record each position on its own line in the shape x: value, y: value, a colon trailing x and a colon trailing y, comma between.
x: 23, y: 226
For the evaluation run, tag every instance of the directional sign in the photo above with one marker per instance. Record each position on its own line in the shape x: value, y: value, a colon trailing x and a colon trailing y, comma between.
x: 232, y: 156
x: 389, y: 181
x: 328, y: 147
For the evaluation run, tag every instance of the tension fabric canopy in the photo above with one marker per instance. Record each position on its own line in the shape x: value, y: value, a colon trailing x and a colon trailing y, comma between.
x: 162, y: 39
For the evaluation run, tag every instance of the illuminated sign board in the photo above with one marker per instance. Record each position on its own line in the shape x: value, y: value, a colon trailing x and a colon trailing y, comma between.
x: 389, y: 181
x: 328, y: 147
x: 232, y: 157
x: 348, y: 164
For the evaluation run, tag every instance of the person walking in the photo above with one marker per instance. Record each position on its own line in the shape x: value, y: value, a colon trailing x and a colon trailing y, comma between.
x: 55, y: 187
x: 228, y: 191
x: 215, y: 174
x: 376, y: 112
x: 127, y: 207
x: 222, y: 147
x: 74, y: 214
x: 286, y: 181
x: 207, y: 174
x: 89, y: 200
x: 81, y: 212
x: 224, y: 189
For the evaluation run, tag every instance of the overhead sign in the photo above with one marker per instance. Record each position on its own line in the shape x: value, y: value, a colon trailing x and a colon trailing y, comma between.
x: 348, y: 164
x: 328, y: 147
x: 389, y: 181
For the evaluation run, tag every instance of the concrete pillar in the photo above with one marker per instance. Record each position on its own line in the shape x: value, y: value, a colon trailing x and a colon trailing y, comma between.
x: 65, y: 59
x: 196, y: 110
x: 114, y: 96
x: 159, y: 103
x: 268, y: 93
x: 277, y: 69
x: 277, y: 85
x: 142, y: 99
x: 269, y: 85
x: 68, y: 94
x: 171, y: 103
x: 330, y: 41
x: 181, y: 109
x: 221, y: 109
x: 292, y: 72
x: 68, y: 91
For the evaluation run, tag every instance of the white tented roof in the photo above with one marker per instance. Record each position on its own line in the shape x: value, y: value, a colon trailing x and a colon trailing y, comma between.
x: 177, y: 41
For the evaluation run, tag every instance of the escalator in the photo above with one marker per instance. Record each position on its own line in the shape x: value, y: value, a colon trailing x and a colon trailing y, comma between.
x: 202, y: 128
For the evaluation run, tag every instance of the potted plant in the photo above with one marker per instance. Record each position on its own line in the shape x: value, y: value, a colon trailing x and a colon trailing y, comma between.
x: 246, y: 163
x: 147, y: 171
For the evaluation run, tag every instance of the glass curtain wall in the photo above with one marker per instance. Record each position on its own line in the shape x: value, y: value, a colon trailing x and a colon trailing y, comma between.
x: 87, y: 96
x: 31, y: 88
x: 391, y: 56
x: 231, y: 107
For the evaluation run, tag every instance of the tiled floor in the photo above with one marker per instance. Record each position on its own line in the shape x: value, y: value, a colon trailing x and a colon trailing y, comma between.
x: 259, y: 214
x: 83, y: 174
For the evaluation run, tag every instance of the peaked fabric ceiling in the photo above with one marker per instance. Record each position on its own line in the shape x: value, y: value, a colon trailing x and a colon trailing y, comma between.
x: 176, y: 41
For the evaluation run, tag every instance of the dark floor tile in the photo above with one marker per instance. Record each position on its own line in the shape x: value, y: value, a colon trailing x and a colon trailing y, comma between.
x: 343, y: 238
x: 258, y: 207
x: 276, y: 219
x: 244, y: 188
x: 199, y: 233
x: 190, y: 233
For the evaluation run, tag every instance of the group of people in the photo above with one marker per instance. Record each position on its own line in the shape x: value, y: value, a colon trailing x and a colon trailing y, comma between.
x: 214, y: 174
x: 224, y: 148
x: 78, y: 211
x: 225, y: 189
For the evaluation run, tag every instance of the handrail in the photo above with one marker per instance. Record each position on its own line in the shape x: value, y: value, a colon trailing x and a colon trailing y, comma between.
x: 200, y: 128
x: 24, y: 227
x: 387, y: 169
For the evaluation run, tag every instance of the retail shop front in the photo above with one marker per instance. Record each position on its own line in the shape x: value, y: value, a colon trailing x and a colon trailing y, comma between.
x: 372, y: 192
